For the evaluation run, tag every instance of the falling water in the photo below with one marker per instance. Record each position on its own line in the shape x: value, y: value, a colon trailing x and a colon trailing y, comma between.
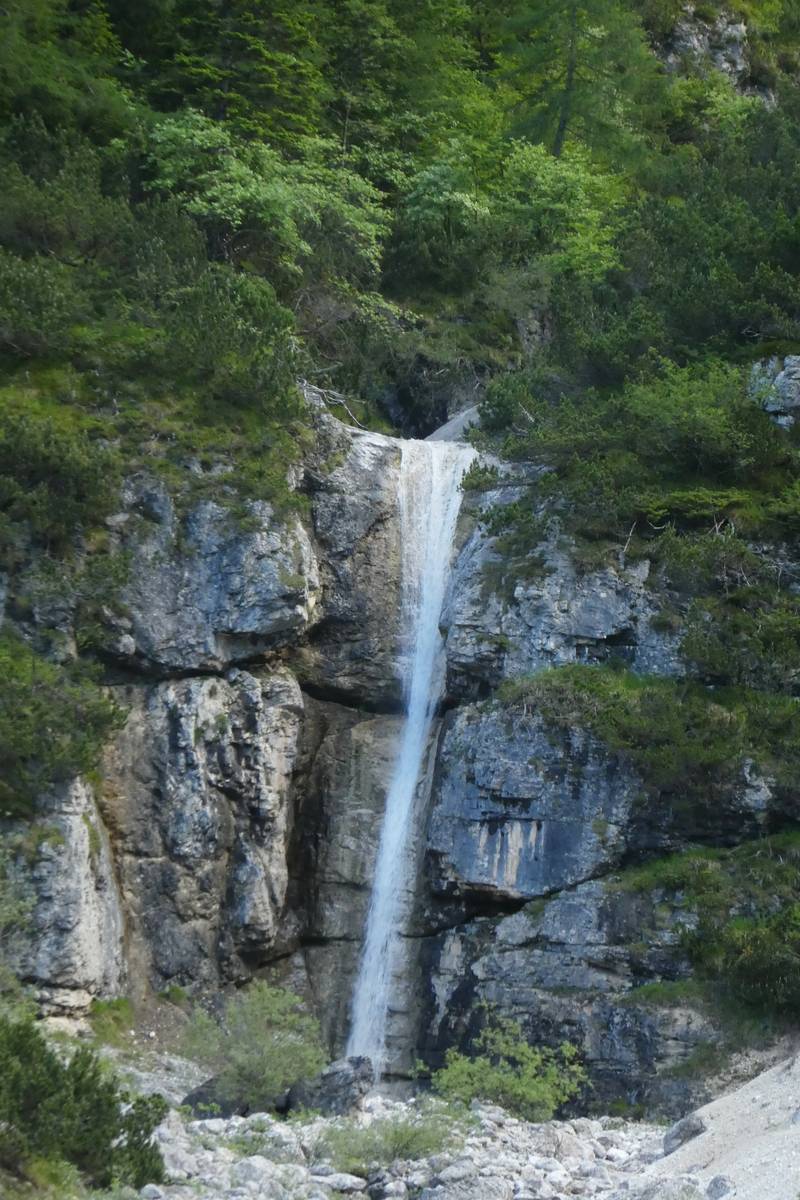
x: 429, y: 498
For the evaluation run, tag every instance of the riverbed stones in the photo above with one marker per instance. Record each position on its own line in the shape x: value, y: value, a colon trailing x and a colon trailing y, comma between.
x: 499, y: 1158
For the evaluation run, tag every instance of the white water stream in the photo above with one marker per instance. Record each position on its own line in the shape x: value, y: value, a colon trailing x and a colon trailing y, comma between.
x: 429, y: 499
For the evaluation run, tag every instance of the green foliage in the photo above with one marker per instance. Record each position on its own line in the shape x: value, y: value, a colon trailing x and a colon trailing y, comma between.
x: 504, y: 1068
x: 111, y: 1020
x: 584, y: 71
x: 686, y: 741
x: 54, y: 482
x: 749, y: 638
x: 747, y: 902
x: 679, y: 737
x: 263, y: 1043
x: 53, y: 722
x: 16, y: 904
x: 72, y: 1110
x: 39, y: 305
x: 688, y: 449
x: 356, y: 1149
x: 255, y: 65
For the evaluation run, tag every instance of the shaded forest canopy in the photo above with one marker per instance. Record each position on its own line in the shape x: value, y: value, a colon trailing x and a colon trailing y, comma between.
x: 202, y: 201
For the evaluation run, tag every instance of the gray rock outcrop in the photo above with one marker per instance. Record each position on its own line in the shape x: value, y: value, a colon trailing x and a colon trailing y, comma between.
x: 204, y: 594
x: 517, y: 814
x: 720, y: 42
x: 337, y: 1090
x: 198, y: 797
x: 776, y: 383
x: 73, y: 950
x: 561, y: 615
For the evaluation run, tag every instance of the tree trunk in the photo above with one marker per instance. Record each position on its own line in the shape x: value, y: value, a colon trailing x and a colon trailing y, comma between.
x: 565, y: 112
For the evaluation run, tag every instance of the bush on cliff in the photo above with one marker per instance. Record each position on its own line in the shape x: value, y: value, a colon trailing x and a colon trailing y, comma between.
x: 53, y: 721
x: 504, y: 1068
x: 72, y: 1110
x: 747, y: 900
x: 684, y: 739
x: 262, y: 1044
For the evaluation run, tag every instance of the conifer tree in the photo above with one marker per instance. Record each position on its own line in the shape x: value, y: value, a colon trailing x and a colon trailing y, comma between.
x: 254, y: 63
x: 580, y: 67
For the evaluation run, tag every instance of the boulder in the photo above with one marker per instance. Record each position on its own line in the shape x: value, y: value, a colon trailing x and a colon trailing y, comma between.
x: 209, y: 1099
x: 683, y: 1131
x: 337, y: 1090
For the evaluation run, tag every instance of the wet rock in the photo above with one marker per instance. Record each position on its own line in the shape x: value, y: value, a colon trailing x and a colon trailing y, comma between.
x: 353, y: 655
x: 337, y: 1090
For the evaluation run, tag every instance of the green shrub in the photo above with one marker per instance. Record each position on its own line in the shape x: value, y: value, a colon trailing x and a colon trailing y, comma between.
x: 111, y: 1020
x: 263, y: 1043
x: 431, y: 1128
x: 39, y: 304
x: 688, y: 448
x: 747, y: 937
x: 54, y: 720
x: 678, y: 736
x: 504, y: 1068
x: 16, y: 904
x: 72, y: 1110
x: 52, y: 479
x: 758, y: 956
x: 684, y: 739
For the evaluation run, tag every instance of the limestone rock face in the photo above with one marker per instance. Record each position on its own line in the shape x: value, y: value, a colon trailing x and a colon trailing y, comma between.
x: 567, y: 968
x: 73, y: 950
x: 560, y: 616
x: 203, y: 593
x: 353, y: 654
x: 721, y: 42
x: 260, y: 663
x: 777, y: 383
x: 198, y: 798
x: 518, y: 812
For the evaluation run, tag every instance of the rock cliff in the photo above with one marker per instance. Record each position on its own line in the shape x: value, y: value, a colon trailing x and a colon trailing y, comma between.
x: 234, y: 829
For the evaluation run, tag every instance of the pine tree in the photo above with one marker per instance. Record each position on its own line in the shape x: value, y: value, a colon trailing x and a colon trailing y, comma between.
x: 256, y: 64
x: 581, y: 67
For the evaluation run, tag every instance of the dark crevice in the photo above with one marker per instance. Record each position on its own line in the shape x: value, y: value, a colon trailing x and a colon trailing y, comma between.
x: 143, y: 671
x: 308, y: 941
x: 328, y: 694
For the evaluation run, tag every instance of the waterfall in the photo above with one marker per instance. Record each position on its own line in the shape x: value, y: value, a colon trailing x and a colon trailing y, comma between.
x: 429, y: 498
